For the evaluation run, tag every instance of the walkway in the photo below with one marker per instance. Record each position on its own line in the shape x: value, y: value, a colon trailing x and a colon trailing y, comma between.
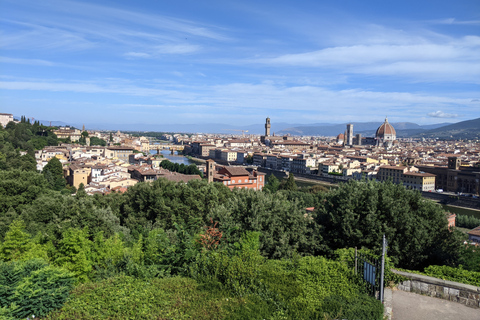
x: 412, y: 306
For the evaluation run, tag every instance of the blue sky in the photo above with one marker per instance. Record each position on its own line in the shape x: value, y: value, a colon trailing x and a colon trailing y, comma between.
x: 237, y: 62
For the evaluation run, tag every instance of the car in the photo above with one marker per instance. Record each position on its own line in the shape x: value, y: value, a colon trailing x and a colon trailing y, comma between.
x: 439, y: 190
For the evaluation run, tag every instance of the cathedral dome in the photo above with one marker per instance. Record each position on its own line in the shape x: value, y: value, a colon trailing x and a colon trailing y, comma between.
x: 386, y: 131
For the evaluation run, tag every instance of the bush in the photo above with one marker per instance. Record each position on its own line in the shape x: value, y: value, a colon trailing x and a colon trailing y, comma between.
x: 359, y: 307
x: 125, y: 297
x: 33, y: 288
x: 454, y: 274
x: 464, y: 221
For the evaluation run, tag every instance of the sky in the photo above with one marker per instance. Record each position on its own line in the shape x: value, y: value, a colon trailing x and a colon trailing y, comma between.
x: 237, y: 62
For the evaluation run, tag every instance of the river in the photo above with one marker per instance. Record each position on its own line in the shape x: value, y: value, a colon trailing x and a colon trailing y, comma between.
x: 175, y: 158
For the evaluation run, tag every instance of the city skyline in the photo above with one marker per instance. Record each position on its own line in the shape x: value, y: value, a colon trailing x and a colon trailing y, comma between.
x: 219, y: 61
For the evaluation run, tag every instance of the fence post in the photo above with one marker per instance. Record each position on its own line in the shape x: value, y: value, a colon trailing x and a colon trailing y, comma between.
x: 384, y: 244
x: 355, y: 260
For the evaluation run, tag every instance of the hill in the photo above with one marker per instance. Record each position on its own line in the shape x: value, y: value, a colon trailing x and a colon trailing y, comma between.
x: 469, y: 129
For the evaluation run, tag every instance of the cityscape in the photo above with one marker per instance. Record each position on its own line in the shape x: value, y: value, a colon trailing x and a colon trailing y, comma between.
x: 216, y: 159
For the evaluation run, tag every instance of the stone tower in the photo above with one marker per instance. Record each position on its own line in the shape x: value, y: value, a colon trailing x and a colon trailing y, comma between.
x: 453, y: 163
x: 267, y: 128
x: 210, y: 170
x: 349, y: 135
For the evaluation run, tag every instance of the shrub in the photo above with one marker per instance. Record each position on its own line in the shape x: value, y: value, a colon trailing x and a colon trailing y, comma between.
x: 454, y: 274
x: 465, y: 221
x: 124, y: 297
x: 33, y: 288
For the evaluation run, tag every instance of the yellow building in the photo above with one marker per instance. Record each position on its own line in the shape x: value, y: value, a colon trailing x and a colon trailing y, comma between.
x: 419, y: 181
x: 77, y: 174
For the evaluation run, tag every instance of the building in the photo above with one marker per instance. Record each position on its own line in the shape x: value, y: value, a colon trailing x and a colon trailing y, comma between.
x: 385, y: 134
x: 474, y: 235
x: 238, y: 177
x: 5, y: 118
x: 349, y: 135
x: 410, y: 177
x: 77, y: 174
x: 119, y: 152
x: 68, y: 133
x: 267, y: 131
x: 420, y: 181
x: 455, y: 177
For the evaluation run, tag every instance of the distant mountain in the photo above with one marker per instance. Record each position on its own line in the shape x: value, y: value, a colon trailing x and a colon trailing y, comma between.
x: 462, y: 130
x: 403, y: 129
x: 469, y: 129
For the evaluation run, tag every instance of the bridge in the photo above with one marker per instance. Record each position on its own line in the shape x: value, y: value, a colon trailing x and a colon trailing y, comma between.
x: 165, y: 146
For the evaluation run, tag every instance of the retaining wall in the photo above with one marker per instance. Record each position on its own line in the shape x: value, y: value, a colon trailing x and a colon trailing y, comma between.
x: 453, y: 291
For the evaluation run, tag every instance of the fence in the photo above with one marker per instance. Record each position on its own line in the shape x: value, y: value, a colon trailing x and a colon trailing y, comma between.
x: 372, y: 271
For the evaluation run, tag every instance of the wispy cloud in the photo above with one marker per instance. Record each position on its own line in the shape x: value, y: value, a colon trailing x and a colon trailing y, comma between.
x: 137, y: 55
x: 441, y: 114
x: 33, y: 62
x: 456, y: 21
x: 437, y: 61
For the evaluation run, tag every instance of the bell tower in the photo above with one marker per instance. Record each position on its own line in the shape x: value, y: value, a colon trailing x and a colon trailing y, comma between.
x: 267, y: 127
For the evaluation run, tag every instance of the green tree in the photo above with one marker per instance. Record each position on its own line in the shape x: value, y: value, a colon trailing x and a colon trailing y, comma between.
x: 16, y: 242
x: 273, y: 184
x: 53, y: 173
x: 73, y: 253
x: 357, y: 214
x: 290, y: 183
x: 94, y: 141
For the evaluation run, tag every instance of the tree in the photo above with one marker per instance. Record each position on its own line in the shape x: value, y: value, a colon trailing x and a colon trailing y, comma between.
x: 357, y: 214
x: 94, y: 141
x: 73, y: 253
x: 53, y: 173
x: 273, y: 184
x: 290, y: 183
x: 15, y: 243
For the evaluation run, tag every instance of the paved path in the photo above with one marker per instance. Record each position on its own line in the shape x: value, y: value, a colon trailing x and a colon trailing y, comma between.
x: 412, y: 306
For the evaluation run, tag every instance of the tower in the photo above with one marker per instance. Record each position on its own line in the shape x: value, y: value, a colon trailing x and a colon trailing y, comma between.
x: 210, y: 170
x: 349, y: 135
x: 267, y: 128
x: 453, y: 163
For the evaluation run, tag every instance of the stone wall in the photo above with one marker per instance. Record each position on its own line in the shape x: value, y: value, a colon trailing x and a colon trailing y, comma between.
x: 458, y: 292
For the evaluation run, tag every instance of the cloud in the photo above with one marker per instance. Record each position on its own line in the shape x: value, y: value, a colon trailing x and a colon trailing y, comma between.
x: 176, y: 49
x: 455, y: 59
x: 137, y: 55
x: 441, y: 114
x: 33, y: 62
x: 455, y: 21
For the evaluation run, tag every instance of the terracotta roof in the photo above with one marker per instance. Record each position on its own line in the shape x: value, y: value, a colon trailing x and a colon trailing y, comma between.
x: 385, y: 128
x: 237, y: 171
x: 475, y: 232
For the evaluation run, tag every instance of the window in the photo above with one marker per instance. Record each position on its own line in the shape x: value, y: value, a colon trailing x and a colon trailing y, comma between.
x: 246, y: 180
x: 233, y: 181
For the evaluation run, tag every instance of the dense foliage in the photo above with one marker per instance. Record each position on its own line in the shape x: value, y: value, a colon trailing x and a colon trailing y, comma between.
x: 453, y: 274
x: 465, y: 221
x: 359, y: 213
x: 32, y: 288
x: 180, y: 168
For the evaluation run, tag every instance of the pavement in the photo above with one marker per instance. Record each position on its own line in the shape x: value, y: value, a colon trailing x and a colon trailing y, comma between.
x: 412, y: 306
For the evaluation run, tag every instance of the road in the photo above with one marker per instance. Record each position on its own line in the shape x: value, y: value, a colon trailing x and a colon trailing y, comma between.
x: 412, y: 306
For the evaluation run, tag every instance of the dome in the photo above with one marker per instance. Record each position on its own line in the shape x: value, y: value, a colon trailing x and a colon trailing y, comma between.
x: 386, y: 131
x: 341, y: 136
